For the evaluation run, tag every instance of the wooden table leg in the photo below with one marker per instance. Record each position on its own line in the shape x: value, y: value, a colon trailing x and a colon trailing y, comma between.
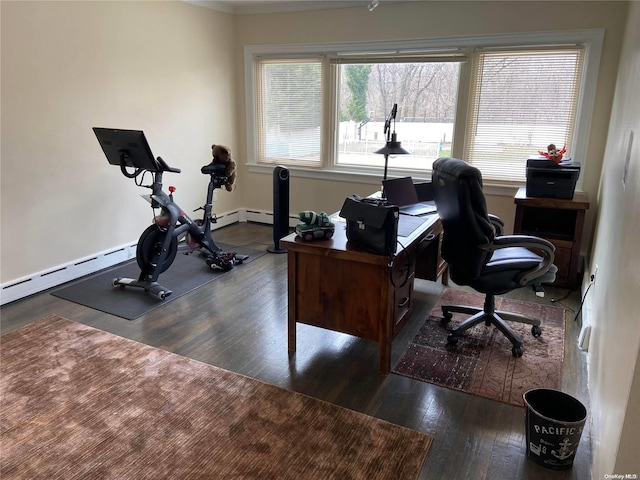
x: 292, y: 301
x: 385, y: 337
x: 445, y: 276
x: 292, y: 334
x: 384, y: 357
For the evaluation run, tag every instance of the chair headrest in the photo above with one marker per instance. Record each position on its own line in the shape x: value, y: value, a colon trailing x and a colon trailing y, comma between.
x: 453, y: 168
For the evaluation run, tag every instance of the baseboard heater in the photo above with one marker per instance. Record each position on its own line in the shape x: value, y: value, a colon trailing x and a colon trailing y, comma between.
x: 38, y: 282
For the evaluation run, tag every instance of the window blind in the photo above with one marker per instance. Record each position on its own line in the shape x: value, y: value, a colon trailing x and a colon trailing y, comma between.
x: 289, y: 101
x: 520, y: 102
x: 397, y: 57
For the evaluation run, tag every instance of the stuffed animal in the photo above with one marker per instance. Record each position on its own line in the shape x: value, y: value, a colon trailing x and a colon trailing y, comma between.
x: 314, y: 226
x: 553, y: 153
x: 222, y: 154
x: 310, y: 217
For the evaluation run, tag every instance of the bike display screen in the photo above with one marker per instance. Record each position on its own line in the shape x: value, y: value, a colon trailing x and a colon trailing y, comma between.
x: 130, y: 146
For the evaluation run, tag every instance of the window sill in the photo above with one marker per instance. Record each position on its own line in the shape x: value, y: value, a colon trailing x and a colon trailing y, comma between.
x: 505, y: 189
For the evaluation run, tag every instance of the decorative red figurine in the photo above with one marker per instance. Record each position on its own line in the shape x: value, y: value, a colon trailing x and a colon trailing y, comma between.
x: 553, y: 153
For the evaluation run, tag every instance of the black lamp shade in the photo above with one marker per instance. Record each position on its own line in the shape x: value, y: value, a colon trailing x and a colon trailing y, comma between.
x: 392, y: 147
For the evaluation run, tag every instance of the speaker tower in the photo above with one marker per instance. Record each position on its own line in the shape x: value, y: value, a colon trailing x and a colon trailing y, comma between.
x: 280, y: 208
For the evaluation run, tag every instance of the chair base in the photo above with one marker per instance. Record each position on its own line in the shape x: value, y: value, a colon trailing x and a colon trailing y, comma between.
x: 490, y: 316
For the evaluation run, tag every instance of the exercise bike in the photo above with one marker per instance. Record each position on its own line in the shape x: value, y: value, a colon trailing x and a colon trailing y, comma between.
x: 158, y: 244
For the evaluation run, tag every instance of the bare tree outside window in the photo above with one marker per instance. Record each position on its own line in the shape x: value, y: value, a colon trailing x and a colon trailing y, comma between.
x: 426, y: 94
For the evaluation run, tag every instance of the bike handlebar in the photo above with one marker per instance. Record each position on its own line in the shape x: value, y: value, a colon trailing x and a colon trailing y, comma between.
x: 162, y: 167
x: 165, y: 167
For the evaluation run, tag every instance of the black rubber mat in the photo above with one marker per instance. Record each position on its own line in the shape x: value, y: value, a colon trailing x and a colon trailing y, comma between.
x: 187, y: 273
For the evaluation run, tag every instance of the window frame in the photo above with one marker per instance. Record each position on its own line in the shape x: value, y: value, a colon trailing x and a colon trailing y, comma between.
x: 590, y: 39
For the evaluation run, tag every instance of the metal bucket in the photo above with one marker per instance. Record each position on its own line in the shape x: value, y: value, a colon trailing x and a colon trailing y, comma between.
x: 554, y: 423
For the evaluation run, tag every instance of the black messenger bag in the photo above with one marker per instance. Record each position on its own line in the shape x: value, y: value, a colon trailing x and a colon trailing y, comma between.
x: 372, y: 224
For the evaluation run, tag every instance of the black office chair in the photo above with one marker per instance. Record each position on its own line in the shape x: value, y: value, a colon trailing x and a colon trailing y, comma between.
x: 479, y: 256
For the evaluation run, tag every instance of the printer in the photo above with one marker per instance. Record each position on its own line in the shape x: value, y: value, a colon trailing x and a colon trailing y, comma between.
x: 545, y: 178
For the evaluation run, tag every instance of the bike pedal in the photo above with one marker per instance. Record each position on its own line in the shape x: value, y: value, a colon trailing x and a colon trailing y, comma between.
x: 219, y: 262
x: 213, y: 265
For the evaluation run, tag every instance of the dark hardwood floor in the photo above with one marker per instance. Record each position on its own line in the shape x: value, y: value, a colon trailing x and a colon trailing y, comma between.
x: 239, y: 322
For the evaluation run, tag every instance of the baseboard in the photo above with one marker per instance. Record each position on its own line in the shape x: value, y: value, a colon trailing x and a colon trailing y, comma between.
x: 263, y: 216
x: 31, y: 284
x: 583, y: 339
x: 586, y: 283
x: 40, y: 281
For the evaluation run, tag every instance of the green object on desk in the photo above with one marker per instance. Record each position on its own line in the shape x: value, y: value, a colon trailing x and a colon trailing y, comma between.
x: 314, y: 226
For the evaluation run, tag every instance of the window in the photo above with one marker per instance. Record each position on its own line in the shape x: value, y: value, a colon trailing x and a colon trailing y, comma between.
x: 426, y: 94
x: 493, y: 101
x: 290, y: 111
x: 521, y: 101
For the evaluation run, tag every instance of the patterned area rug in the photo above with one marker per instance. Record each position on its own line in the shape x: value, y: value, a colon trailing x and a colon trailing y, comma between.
x: 80, y: 403
x: 481, y: 362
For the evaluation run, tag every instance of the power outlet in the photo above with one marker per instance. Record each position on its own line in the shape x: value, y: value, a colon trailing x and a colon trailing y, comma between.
x: 594, y: 275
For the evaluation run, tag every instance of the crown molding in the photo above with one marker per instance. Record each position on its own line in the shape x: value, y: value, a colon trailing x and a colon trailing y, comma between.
x: 252, y: 7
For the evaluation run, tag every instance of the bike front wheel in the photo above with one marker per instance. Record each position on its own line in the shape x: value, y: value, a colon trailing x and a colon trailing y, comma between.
x: 150, y: 247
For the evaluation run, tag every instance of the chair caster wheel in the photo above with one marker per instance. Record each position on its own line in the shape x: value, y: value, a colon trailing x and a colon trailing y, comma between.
x: 516, y: 352
x: 452, y: 339
x: 536, y: 331
x: 446, y: 317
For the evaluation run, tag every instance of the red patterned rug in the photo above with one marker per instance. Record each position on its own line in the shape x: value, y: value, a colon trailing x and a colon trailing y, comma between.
x: 481, y: 362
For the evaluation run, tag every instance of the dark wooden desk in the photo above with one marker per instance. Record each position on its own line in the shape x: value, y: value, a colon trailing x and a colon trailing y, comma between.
x: 336, y: 285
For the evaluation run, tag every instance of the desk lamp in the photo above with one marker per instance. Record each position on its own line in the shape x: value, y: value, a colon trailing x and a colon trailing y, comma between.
x: 392, y: 147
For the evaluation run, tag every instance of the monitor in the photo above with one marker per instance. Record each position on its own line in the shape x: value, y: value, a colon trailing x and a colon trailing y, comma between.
x: 130, y: 145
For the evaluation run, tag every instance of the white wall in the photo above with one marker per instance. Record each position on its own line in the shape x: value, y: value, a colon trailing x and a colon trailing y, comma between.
x: 163, y: 67
x: 613, y: 303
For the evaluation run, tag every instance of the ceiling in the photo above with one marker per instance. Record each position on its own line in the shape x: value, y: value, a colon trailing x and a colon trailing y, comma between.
x: 246, y: 7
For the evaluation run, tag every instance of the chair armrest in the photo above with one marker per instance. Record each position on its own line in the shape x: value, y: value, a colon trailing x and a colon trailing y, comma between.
x: 545, y: 246
x: 497, y: 223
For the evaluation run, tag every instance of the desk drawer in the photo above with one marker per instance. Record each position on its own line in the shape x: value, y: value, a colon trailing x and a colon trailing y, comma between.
x: 402, y: 299
x: 402, y: 276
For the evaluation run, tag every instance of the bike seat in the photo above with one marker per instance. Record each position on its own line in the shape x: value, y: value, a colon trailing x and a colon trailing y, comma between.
x: 213, y: 168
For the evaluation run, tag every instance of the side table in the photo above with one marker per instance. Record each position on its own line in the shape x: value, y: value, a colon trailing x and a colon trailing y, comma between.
x: 560, y: 221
